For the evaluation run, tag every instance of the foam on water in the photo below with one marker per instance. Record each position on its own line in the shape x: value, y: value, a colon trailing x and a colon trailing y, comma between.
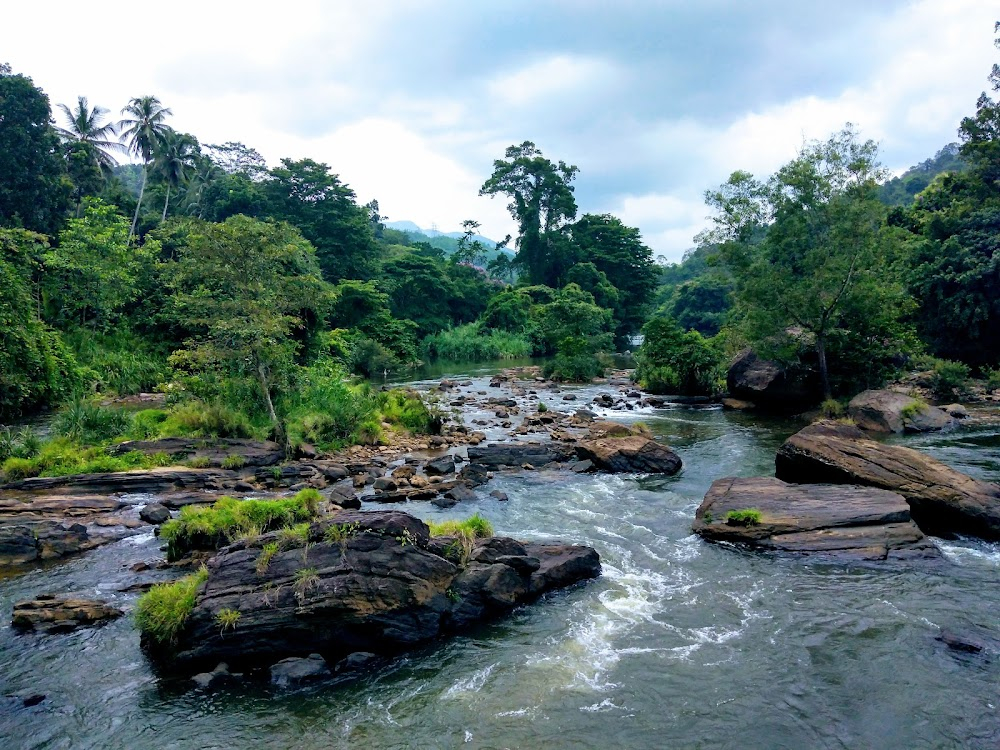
x: 471, y: 684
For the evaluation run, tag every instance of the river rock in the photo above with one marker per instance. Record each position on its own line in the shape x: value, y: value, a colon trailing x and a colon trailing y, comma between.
x: 605, y: 429
x: 152, y: 481
x: 55, y: 614
x: 827, y: 519
x: 296, y: 670
x: 889, y: 411
x: 942, y: 500
x: 440, y: 466
x: 381, y: 589
x: 517, y: 454
x: 154, y: 513
x: 634, y: 454
x: 213, y: 450
x: 768, y: 384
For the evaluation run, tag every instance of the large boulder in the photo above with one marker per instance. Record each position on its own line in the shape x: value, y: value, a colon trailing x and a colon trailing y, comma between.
x: 214, y: 451
x: 372, y: 582
x: 518, y: 454
x: 634, y: 454
x: 942, y: 500
x: 55, y: 614
x: 826, y: 519
x: 889, y: 411
x: 768, y: 384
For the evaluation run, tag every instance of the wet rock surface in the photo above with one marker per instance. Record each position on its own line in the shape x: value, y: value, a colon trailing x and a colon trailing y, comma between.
x: 942, y: 500
x: 633, y: 454
x: 380, y: 588
x: 825, y: 519
x: 49, y: 613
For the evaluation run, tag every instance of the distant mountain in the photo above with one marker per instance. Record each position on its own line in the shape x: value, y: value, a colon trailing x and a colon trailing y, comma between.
x: 900, y: 191
x: 447, y: 241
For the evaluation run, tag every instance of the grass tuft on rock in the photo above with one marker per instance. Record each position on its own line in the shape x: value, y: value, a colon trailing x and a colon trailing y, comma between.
x: 744, y: 517
x: 474, y: 527
x: 162, y: 611
x: 229, y: 519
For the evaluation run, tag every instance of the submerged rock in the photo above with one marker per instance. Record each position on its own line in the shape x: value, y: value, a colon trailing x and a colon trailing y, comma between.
x: 942, y: 500
x: 889, y: 411
x: 373, y: 584
x: 296, y: 670
x: 633, y: 454
x: 828, y: 519
x: 55, y: 614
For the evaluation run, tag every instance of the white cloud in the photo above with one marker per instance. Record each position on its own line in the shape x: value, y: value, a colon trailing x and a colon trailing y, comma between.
x: 560, y: 76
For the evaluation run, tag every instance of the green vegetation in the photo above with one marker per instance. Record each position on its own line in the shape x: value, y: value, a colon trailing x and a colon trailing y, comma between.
x: 305, y: 580
x: 162, y: 611
x: 226, y: 619
x: 234, y: 461
x: 268, y: 551
x: 672, y: 361
x: 832, y: 409
x: 472, y: 343
x: 912, y: 409
x: 208, y: 528
x: 949, y: 380
x: 63, y: 457
x: 744, y: 517
x: 473, y: 527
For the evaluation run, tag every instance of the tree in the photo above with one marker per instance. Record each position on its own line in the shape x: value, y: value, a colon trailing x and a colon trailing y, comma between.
x: 672, y: 361
x: 980, y: 133
x: 541, y: 201
x: 87, y: 126
x: 142, y: 131
x: 418, y: 291
x: 36, y: 369
x: 307, y: 194
x: 174, y: 158
x: 248, y: 292
x: 233, y: 157
x: 617, y: 251
x: 91, y: 274
x: 804, y: 248
x: 34, y: 188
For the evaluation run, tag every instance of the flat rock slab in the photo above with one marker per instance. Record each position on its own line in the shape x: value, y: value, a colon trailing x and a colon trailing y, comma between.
x: 827, y: 519
x: 633, y: 454
x: 20, y: 505
x: 213, y: 450
x: 518, y: 454
x: 55, y: 614
x: 151, y: 480
x: 942, y: 500
x: 22, y: 543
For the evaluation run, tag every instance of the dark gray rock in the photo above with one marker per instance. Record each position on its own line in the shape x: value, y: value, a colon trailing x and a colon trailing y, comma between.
x: 384, y: 484
x: 475, y: 475
x: 768, y: 384
x: 499, y: 495
x: 518, y: 454
x: 440, y: 466
x: 888, y: 411
x: 634, y: 454
x: 154, y: 513
x: 295, y: 671
x: 383, y: 588
x: 582, y: 467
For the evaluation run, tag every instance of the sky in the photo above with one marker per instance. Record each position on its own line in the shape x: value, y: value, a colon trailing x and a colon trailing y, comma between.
x: 410, y: 101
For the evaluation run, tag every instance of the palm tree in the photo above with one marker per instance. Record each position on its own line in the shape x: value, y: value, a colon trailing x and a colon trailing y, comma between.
x: 173, y: 160
x: 86, y: 126
x: 142, y: 132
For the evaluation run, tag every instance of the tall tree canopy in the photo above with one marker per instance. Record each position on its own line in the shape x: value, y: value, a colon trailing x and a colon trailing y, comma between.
x: 34, y: 188
x: 142, y: 129
x: 804, y: 247
x: 87, y: 125
x: 541, y: 201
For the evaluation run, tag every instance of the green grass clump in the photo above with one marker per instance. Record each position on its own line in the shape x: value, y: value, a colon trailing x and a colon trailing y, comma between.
x: 21, y: 444
x: 226, y: 619
x: 162, y: 611
x: 474, y: 527
x: 212, y: 527
x: 19, y: 468
x: 267, y: 552
x: 542, y: 408
x: 62, y: 457
x: 912, y: 409
x: 992, y: 377
x: 406, y: 409
x: 200, y: 419
x: 832, y: 409
x: 305, y: 580
x: 471, y: 343
x: 744, y: 517
x: 291, y: 537
x: 87, y: 422
x: 199, y: 462
x: 234, y: 461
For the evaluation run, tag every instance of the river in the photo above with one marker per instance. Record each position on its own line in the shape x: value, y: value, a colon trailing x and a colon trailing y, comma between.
x: 680, y: 644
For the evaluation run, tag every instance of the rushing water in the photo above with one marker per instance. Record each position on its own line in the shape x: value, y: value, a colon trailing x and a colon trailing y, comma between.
x: 680, y: 644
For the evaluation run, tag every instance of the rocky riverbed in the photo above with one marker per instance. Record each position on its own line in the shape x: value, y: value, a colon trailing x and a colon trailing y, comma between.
x: 669, y: 616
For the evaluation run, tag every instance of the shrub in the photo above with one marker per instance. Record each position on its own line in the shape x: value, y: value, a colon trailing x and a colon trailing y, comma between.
x: 992, y: 377
x: 474, y: 343
x: 118, y: 362
x: 744, y: 517
x: 209, y: 528
x: 197, y: 418
x: 406, y: 409
x: 147, y: 424
x: 21, y: 444
x: 949, y: 379
x: 832, y: 409
x: 577, y: 360
x: 542, y: 408
x: 19, y: 468
x: 162, y: 611
x: 672, y: 361
x: 329, y: 412
x: 87, y: 422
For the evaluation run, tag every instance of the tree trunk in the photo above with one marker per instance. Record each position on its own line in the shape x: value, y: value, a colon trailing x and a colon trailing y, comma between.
x: 138, y: 205
x: 165, y: 204
x: 262, y: 379
x: 824, y: 375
